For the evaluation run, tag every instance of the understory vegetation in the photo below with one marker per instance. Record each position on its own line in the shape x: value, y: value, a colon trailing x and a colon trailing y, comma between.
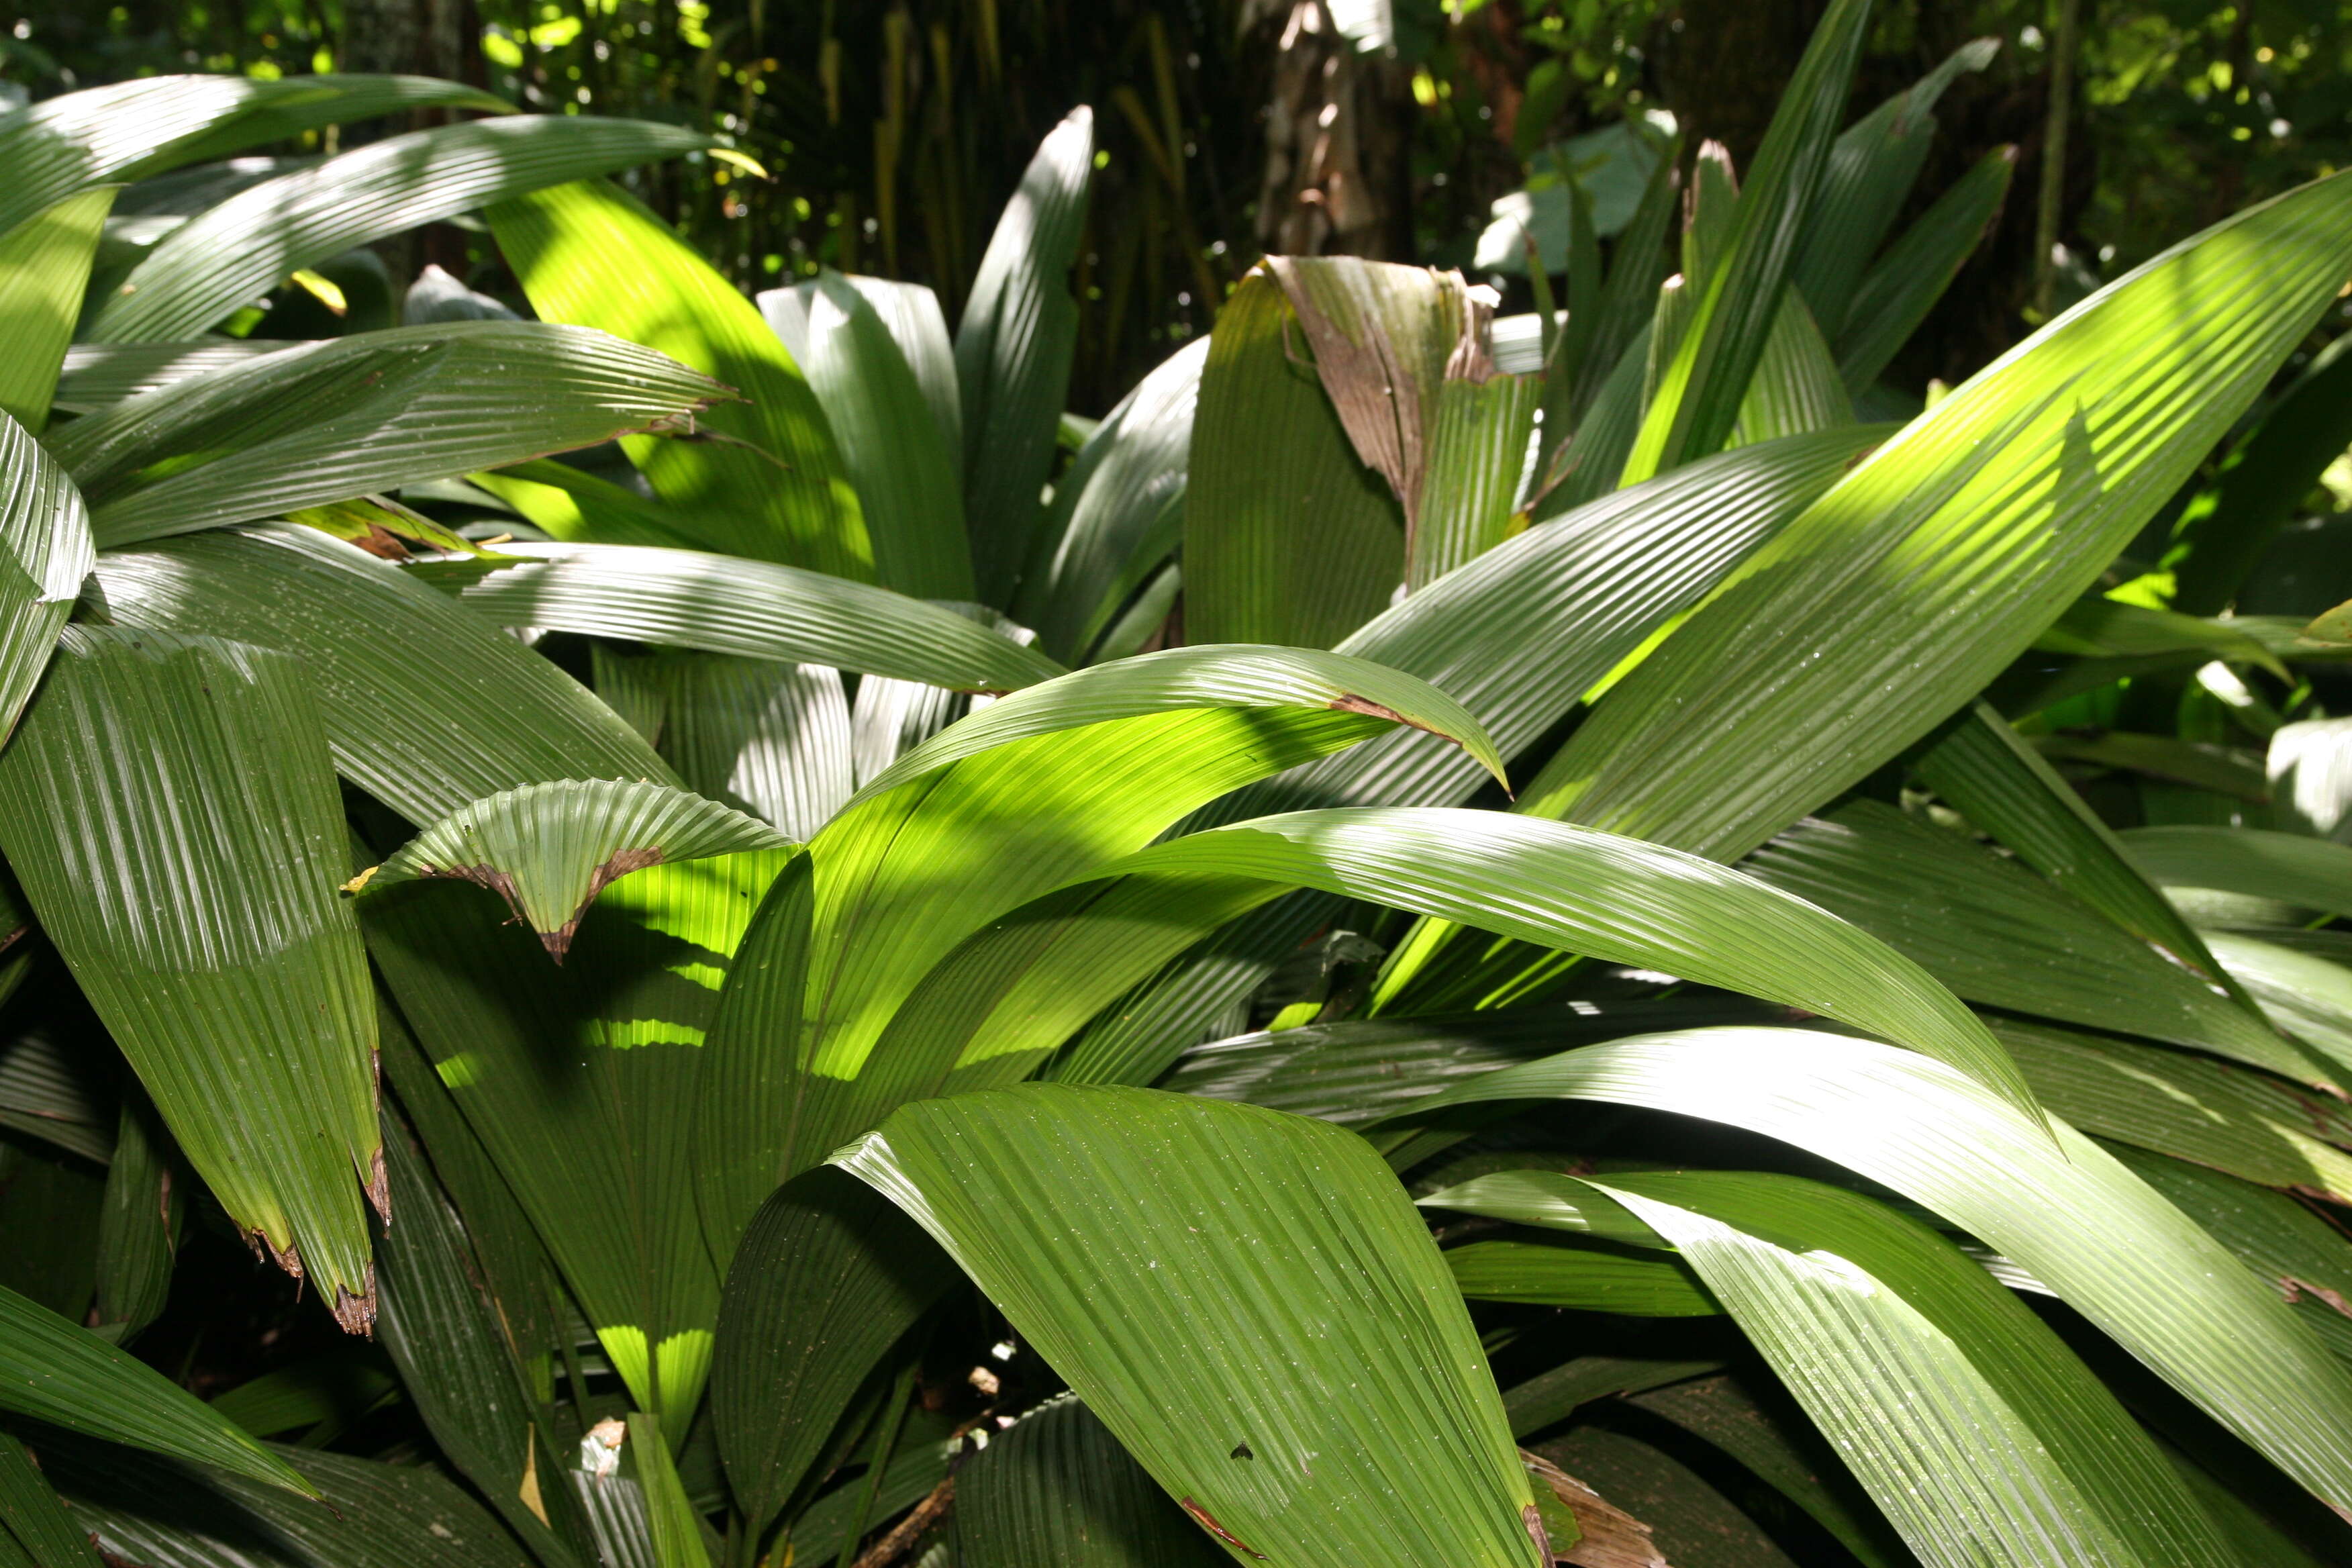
x: 653, y: 927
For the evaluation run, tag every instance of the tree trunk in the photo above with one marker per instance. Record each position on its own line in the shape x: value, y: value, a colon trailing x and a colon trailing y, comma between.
x: 1338, y: 138
x: 1723, y: 64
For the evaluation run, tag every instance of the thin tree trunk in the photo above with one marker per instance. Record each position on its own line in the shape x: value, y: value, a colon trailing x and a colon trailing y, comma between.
x: 1338, y: 128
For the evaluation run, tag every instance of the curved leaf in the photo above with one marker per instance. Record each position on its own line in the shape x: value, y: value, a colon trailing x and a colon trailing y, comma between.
x: 725, y: 603
x: 2254, y: 861
x: 548, y: 849
x: 766, y: 738
x: 44, y: 264
x: 1055, y: 1490
x: 424, y: 736
x: 2110, y: 1246
x: 56, y: 1372
x: 350, y: 417
x: 216, y: 261
x: 96, y: 375
x: 766, y: 482
x: 1583, y: 1278
x: 45, y: 554
x: 171, y: 809
x: 1244, y: 1299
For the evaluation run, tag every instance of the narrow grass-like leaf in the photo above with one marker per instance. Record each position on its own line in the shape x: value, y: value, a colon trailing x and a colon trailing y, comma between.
x: 1795, y: 387
x: 33, y: 1518
x: 56, y: 1372
x: 1895, y: 295
x: 45, y: 546
x: 548, y: 849
x: 2109, y: 1246
x: 828, y: 1276
x: 575, y: 506
x: 353, y: 417
x: 1999, y: 935
x: 1012, y: 352
x: 765, y: 480
x: 670, y: 1518
x: 129, y: 129
x: 2300, y: 981
x: 170, y: 810
x: 1056, y: 1491
x: 1245, y: 1300
x: 44, y: 263
x: 139, y: 1228
x: 1939, y: 559
x: 724, y: 604
x: 910, y: 480
x: 1704, y: 381
x: 424, y: 736
x: 214, y: 262
x: 1637, y: 1284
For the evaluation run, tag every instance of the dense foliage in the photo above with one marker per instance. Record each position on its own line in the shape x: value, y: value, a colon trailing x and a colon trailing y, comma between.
x: 1595, y: 934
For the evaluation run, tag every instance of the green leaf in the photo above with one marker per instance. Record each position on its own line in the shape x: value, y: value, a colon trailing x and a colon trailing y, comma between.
x: 129, y: 129
x: 424, y: 735
x: 1244, y: 1299
x: 2102, y: 1241
x: 1612, y: 898
x: 353, y: 417
x: 828, y: 1278
x: 2254, y: 861
x: 1637, y: 265
x: 456, y: 1360
x: 44, y: 263
x: 56, y: 1372
x: 764, y: 479
x: 1055, y: 1490
x: 1039, y: 789
x: 1985, y: 770
x: 32, y: 1516
x: 1795, y: 387
x: 1584, y: 1279
x: 676, y: 1529
x: 724, y: 604
x: 97, y: 376
x: 1288, y: 538
x: 2226, y: 527
x: 139, y: 1228
x: 2201, y: 765
x: 1013, y: 353
x: 1477, y: 445
x: 2001, y: 936
x: 204, y: 269
x: 909, y: 481
x: 170, y: 808
x: 45, y: 547
x: 548, y: 849
x: 575, y: 506
x: 580, y: 1082
x: 1898, y: 593
x: 1700, y: 393
x: 2301, y: 987
x: 1895, y: 295
x: 766, y: 738
x: 1548, y: 1398
x: 1971, y: 1423
x: 1117, y: 510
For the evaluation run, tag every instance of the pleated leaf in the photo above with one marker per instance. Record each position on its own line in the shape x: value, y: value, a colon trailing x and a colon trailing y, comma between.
x: 353, y: 417
x: 1580, y: 1279
x: 45, y: 554
x: 548, y: 849
x: 1612, y: 898
x: 1971, y: 1423
x: 2112, y: 1248
x: 235, y: 252
x: 1013, y: 353
x: 768, y: 482
x: 67, y: 1376
x: 1939, y: 559
x: 2299, y: 981
x: 724, y: 604
x: 764, y: 737
x: 1288, y: 537
x: 909, y: 481
x: 1245, y: 1300
x: 1056, y: 1491
x: 1895, y: 295
x: 575, y: 506
x: 32, y: 1517
x: 1997, y: 935
x: 2254, y: 861
x: 828, y: 1276
x: 96, y: 375
x: 139, y: 1227
x: 126, y: 130
x: 44, y: 264
x: 170, y: 810
x: 424, y: 735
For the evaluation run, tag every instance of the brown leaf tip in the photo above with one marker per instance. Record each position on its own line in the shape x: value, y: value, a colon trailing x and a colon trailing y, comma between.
x: 1349, y: 703
x: 1532, y: 1517
x: 356, y: 1314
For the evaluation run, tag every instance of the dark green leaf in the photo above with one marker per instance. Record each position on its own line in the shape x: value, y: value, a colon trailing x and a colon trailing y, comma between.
x: 1057, y: 1492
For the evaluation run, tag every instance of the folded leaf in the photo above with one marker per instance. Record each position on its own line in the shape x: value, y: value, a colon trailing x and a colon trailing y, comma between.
x: 1055, y: 1490
x: 96, y: 375
x: 1244, y: 1299
x: 764, y: 737
x: 549, y: 849
x: 1903, y: 286
x: 170, y: 810
x: 216, y: 261
x: 353, y: 417
x: 45, y: 554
